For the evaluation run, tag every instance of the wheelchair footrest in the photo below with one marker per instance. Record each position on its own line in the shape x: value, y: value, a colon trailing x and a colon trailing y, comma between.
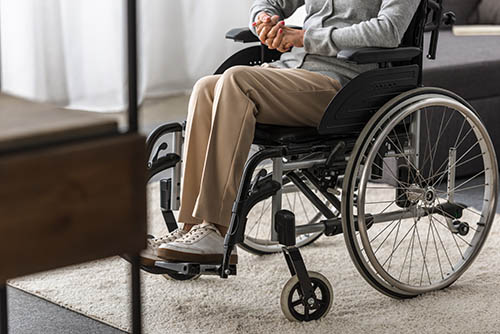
x: 190, y: 268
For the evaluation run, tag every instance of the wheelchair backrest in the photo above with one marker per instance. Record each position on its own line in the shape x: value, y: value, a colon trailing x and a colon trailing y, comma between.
x: 414, y: 35
x: 356, y: 102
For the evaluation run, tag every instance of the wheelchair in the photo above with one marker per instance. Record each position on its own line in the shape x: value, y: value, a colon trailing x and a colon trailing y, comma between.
x: 387, y: 167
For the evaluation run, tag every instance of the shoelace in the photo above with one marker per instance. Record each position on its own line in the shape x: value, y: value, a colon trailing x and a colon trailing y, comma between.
x: 197, y: 232
x: 156, y: 242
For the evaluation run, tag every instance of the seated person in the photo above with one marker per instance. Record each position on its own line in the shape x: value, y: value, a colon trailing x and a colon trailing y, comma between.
x: 294, y: 91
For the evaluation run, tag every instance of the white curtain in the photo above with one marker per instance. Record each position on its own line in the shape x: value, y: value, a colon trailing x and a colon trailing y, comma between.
x: 72, y: 52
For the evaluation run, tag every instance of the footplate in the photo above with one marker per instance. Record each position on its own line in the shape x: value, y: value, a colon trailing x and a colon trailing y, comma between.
x: 189, y: 268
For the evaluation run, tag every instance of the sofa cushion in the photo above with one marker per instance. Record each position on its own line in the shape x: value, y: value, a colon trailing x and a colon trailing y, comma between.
x: 465, y: 10
x: 489, y: 12
x: 466, y: 65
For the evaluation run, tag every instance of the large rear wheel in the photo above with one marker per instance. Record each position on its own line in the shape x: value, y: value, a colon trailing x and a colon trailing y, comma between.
x: 418, y: 198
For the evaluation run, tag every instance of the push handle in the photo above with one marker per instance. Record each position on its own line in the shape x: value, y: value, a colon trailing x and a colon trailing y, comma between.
x: 438, y: 19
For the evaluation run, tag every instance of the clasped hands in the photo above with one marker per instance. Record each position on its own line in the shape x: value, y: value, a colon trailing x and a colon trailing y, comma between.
x: 273, y: 33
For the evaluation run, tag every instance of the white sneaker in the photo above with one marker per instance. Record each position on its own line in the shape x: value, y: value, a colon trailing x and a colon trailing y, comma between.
x: 202, y: 244
x: 149, y: 255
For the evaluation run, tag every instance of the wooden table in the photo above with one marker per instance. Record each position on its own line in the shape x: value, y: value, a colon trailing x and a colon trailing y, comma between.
x: 72, y: 189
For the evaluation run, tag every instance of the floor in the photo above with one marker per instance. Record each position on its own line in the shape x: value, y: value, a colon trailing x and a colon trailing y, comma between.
x: 29, y: 314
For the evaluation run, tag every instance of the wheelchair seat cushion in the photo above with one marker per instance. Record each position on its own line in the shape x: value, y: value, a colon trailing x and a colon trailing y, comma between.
x: 271, y: 135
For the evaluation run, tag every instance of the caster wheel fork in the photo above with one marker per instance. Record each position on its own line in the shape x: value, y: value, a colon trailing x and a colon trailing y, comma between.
x: 307, y: 295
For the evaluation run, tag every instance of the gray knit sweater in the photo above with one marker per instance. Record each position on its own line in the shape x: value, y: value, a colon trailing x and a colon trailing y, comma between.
x: 333, y: 25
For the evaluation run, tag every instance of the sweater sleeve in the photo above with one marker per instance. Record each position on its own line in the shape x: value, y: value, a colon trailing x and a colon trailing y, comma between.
x: 282, y: 8
x: 384, y: 31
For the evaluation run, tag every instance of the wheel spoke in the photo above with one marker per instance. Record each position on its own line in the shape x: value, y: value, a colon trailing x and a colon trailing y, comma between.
x: 441, y: 241
x: 399, y: 244
x: 428, y: 148
x: 288, y: 201
x: 407, y: 250
x: 470, y: 179
x: 385, y: 228
x: 381, y: 168
x: 440, y: 133
x: 383, y: 241
x: 411, y: 254
x: 394, y: 245
x: 424, y: 255
x: 258, y: 227
x: 294, y: 201
x: 303, y: 208
x: 403, y: 154
x: 435, y: 247
x: 454, y: 165
x: 454, y: 237
x: 258, y: 220
x: 464, y: 189
x: 450, y: 216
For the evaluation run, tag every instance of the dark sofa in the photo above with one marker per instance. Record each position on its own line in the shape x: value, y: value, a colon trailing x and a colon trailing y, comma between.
x: 470, y: 66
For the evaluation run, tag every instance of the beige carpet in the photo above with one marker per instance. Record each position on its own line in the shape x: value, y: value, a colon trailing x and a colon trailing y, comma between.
x: 249, y: 302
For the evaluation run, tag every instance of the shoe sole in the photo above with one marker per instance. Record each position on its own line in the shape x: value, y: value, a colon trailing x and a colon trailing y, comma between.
x: 149, y: 260
x: 175, y: 256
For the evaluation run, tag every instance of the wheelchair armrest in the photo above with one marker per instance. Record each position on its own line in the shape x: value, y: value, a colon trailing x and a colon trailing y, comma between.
x: 245, y: 35
x: 378, y: 55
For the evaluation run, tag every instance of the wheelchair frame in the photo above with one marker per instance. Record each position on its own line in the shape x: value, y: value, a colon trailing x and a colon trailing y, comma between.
x: 399, y: 72
x: 380, y: 86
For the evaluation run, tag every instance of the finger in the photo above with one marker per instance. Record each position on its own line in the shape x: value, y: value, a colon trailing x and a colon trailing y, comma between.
x: 262, y: 16
x: 285, y: 46
x: 266, y: 19
x: 275, y: 19
x: 260, y: 19
x: 282, y: 50
x: 274, y: 30
x: 260, y: 27
x: 278, y: 39
x: 263, y: 33
x: 269, y: 43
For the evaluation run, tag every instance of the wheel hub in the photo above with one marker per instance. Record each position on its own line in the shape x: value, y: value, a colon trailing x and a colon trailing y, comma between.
x: 430, y: 195
x: 415, y: 193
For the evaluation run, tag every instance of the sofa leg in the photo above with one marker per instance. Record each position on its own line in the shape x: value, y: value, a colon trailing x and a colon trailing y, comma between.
x: 136, y: 295
x: 3, y: 309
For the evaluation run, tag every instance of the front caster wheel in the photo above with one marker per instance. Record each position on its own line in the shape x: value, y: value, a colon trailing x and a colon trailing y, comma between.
x: 296, y: 309
x: 181, y: 277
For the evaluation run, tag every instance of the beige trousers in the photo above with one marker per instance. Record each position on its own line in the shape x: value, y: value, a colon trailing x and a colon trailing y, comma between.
x: 223, y: 110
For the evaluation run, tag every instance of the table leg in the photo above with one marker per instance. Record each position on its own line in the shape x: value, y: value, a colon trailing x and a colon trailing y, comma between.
x: 3, y: 309
x: 136, y: 295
